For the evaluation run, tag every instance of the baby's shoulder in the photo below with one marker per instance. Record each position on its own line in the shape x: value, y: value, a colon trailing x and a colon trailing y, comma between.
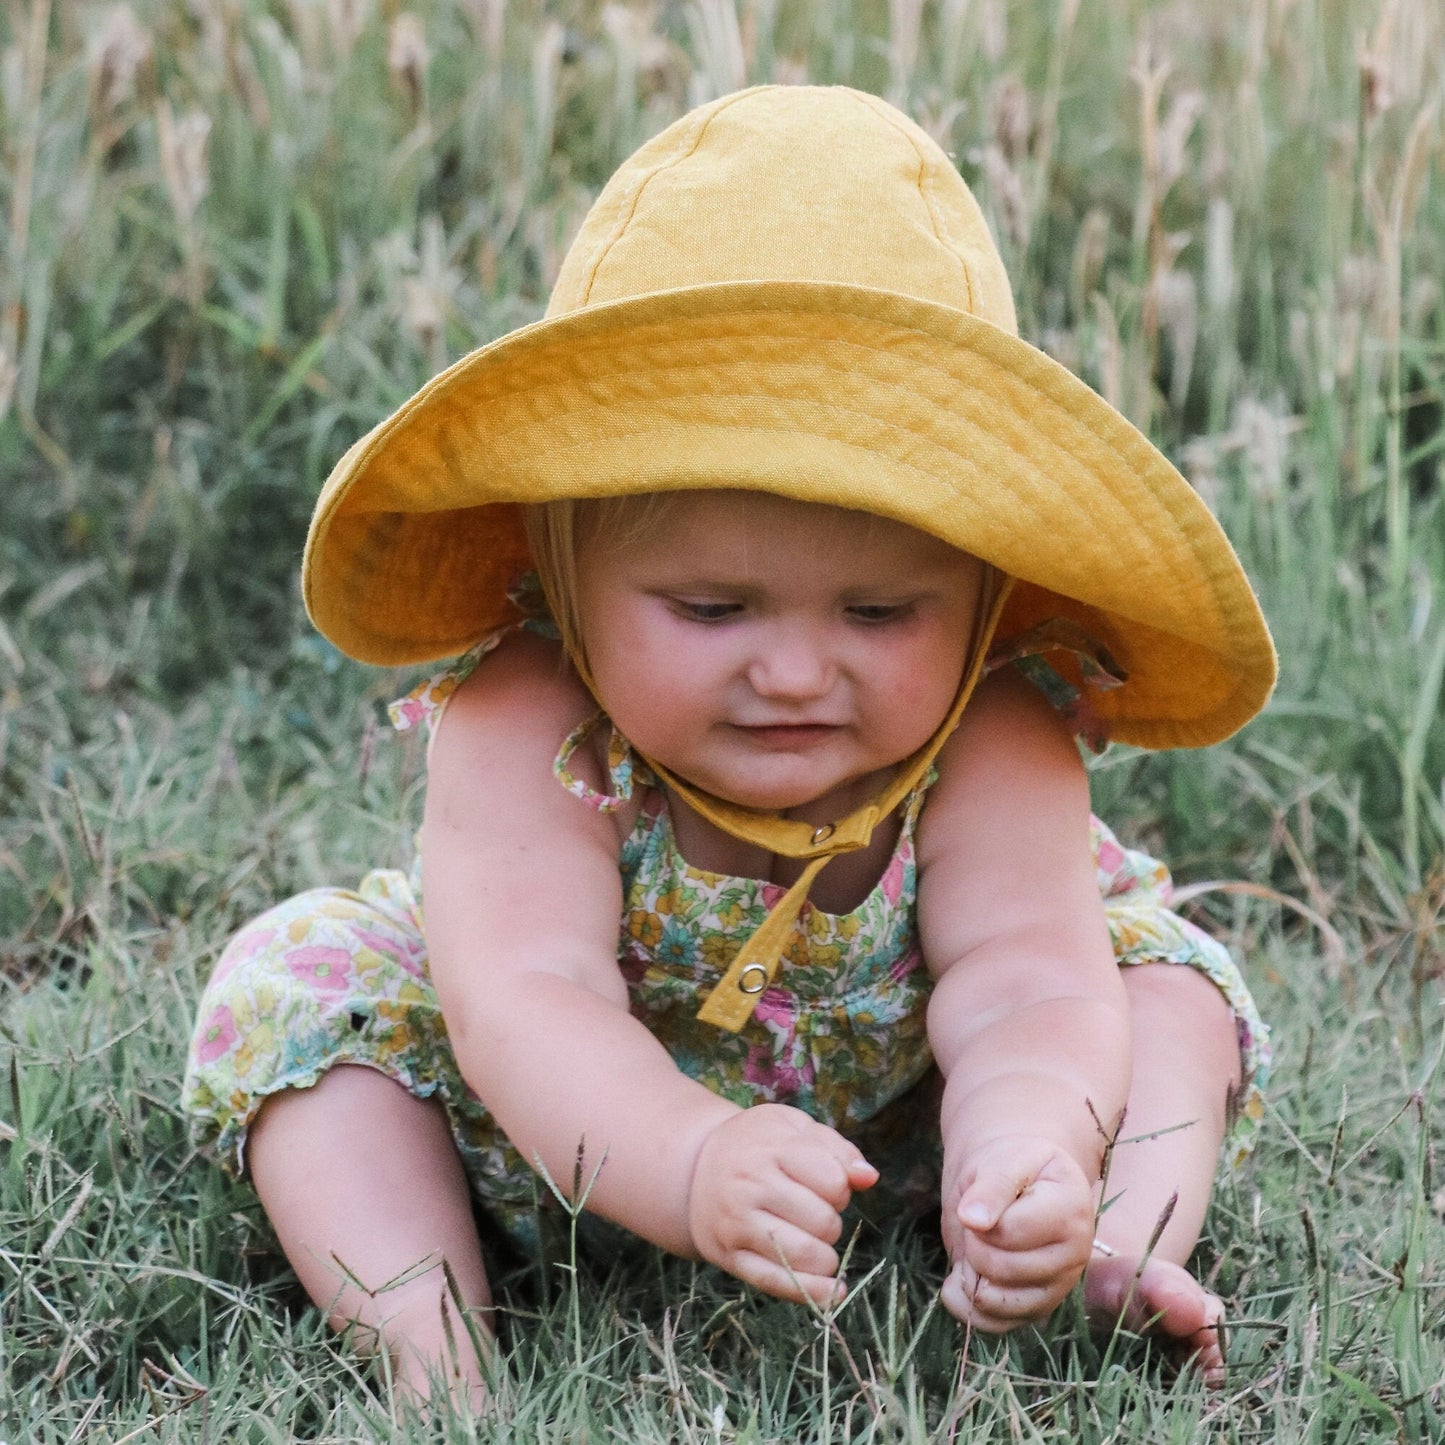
x: 524, y: 682
x: 1011, y: 754
x: 524, y: 712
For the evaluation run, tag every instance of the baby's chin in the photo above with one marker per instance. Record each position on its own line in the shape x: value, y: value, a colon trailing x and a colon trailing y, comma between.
x: 808, y: 801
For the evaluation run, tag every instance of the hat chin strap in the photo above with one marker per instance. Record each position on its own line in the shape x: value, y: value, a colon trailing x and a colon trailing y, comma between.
x: 730, y: 1005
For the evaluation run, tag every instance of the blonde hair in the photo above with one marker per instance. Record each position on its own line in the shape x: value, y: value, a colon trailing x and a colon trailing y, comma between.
x: 556, y: 533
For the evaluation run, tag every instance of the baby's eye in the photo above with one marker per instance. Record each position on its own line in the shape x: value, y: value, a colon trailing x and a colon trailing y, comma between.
x: 705, y: 611
x: 876, y: 612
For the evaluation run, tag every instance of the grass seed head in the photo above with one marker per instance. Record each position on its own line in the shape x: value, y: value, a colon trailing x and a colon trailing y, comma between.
x: 407, y: 58
x: 183, y: 146
x: 119, y: 53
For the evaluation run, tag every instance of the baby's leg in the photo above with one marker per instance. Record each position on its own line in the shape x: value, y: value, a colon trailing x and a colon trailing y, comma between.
x: 320, y: 1061
x: 1186, y: 1060
x: 366, y: 1192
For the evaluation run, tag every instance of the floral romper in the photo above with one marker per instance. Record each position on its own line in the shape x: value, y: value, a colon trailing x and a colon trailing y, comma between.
x: 335, y: 976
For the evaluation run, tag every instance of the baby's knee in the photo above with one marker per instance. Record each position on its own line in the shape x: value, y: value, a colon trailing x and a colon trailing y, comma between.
x: 1180, y: 1007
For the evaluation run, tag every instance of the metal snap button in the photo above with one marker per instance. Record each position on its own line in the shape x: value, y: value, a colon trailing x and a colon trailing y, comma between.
x: 753, y: 978
x: 824, y: 831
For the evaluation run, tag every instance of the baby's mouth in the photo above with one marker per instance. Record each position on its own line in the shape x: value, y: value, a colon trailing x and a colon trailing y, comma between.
x: 798, y: 735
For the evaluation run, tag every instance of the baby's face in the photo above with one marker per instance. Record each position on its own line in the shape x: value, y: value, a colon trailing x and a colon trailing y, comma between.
x: 777, y: 653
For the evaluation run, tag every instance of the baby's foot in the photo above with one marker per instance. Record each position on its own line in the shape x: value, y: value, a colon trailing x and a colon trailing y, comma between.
x: 1161, y: 1299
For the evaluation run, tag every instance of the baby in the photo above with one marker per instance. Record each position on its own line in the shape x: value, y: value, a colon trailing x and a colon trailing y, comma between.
x: 757, y: 857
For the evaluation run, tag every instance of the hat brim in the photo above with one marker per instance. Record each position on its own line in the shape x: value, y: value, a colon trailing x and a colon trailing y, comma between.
x: 825, y: 393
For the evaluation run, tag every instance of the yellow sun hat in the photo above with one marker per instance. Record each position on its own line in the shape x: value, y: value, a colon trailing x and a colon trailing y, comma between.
x: 791, y: 289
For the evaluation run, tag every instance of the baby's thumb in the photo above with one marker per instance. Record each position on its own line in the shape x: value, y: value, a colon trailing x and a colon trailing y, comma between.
x: 861, y: 1174
x: 985, y: 1200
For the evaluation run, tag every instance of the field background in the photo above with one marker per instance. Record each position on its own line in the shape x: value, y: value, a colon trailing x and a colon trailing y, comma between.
x: 234, y: 234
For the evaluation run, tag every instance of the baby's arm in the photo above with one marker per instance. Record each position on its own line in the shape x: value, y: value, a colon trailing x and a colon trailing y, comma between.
x: 522, y: 899
x: 1028, y: 1019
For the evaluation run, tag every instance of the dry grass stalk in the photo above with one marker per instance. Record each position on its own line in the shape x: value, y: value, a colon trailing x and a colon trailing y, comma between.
x: 905, y: 31
x: 1109, y: 351
x: 21, y: 197
x: 1048, y: 122
x: 1392, y: 219
x: 993, y: 30
x: 486, y: 18
x: 719, y: 42
x: 407, y: 58
x: 1220, y: 281
x: 1164, y: 143
x: 1177, y: 302
x: 183, y: 146
x: 119, y: 55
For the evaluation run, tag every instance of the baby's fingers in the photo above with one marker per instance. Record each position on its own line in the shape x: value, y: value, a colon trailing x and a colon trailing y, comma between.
x: 1041, y: 1215
x: 995, y: 1308
x: 830, y: 1168
x: 1027, y: 1268
x: 786, y: 1274
x: 991, y: 1194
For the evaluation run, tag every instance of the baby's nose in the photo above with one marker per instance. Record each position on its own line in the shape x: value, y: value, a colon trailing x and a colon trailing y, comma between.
x: 793, y: 666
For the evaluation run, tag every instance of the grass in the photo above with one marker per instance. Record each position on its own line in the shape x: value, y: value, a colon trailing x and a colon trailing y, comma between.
x: 237, y: 234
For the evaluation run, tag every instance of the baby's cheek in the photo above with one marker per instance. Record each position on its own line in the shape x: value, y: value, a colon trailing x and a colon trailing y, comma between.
x: 917, y: 703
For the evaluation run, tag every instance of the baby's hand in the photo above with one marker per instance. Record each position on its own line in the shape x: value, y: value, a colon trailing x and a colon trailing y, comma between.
x: 1020, y: 1234
x: 769, y: 1186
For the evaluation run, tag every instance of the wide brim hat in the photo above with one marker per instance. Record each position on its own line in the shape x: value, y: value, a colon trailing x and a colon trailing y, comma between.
x: 792, y: 290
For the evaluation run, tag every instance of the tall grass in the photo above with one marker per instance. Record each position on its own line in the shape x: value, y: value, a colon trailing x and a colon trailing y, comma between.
x: 238, y: 233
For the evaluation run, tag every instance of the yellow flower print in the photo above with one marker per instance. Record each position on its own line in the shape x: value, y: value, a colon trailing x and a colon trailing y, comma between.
x: 406, y: 999
x: 667, y: 902
x: 395, y: 1041
x: 867, y: 1054
x: 1127, y: 936
x: 826, y: 955
x: 266, y: 1003
x: 645, y: 927
x: 719, y: 950
x: 732, y: 915
x: 797, y: 952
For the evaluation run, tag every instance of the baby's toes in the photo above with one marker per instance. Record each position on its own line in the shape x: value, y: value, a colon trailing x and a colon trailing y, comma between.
x: 1203, y: 1352
x: 1163, y: 1300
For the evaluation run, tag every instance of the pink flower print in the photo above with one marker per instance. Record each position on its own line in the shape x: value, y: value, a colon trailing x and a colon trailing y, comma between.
x: 245, y: 945
x: 760, y: 1068
x: 905, y: 964
x: 1110, y: 857
x: 765, y: 1067
x: 892, y: 880
x: 217, y: 1037
x: 783, y: 1081
x: 407, y: 713
x: 325, y: 968
x: 408, y: 954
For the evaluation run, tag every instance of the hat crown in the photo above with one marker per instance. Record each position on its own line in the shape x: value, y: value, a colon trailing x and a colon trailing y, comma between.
x: 789, y: 184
